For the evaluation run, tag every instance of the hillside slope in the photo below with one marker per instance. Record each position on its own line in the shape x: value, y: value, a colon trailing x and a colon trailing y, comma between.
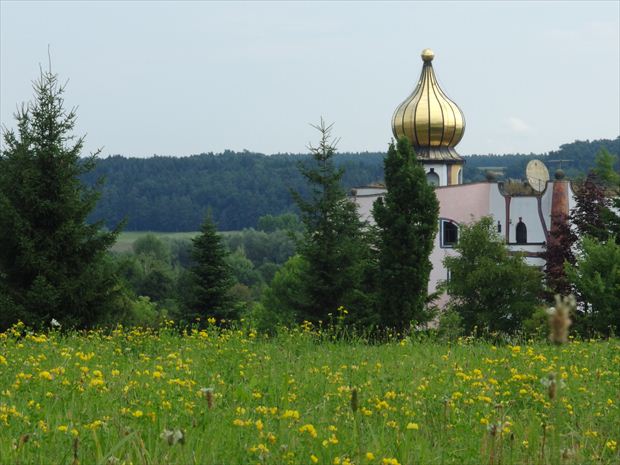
x: 174, y: 194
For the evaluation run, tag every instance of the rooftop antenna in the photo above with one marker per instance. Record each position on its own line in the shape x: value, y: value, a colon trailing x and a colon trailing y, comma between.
x: 559, y: 173
x: 560, y: 162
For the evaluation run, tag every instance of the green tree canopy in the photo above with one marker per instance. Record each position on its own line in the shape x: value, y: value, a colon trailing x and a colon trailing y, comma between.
x: 52, y: 263
x: 406, y: 218
x: 610, y: 177
x: 490, y: 287
x: 596, y: 275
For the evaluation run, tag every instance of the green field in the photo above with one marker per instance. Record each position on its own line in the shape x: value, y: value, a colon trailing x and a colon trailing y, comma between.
x: 126, y: 239
x: 234, y: 397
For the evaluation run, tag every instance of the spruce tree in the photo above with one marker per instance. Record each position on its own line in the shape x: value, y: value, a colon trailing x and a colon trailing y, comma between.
x: 333, y: 247
x: 210, y: 278
x: 407, y: 218
x: 53, y: 264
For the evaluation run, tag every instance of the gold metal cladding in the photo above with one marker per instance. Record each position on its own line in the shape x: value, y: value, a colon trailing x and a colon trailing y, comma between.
x: 428, y: 118
x: 427, y: 54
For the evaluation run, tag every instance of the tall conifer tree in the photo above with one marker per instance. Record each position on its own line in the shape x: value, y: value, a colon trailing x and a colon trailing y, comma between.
x: 52, y: 263
x: 210, y: 278
x: 406, y: 218
x: 333, y: 245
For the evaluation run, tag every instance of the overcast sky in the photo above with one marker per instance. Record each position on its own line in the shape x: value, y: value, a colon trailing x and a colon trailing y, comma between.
x: 184, y: 78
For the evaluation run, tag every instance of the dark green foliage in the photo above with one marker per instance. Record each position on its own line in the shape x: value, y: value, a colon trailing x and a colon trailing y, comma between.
x: 281, y: 301
x: 333, y: 245
x: 596, y: 275
x: 537, y: 325
x: 173, y: 194
x: 489, y: 287
x: 580, y: 156
x: 149, y: 271
x: 406, y: 218
x: 210, y: 278
x: 284, y: 222
x: 243, y: 269
x: 610, y: 178
x: 262, y: 247
x: 611, y: 217
x: 606, y: 169
x: 450, y: 325
x: 52, y: 264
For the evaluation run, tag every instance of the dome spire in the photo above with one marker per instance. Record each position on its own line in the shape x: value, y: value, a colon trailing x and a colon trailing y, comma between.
x: 429, y: 119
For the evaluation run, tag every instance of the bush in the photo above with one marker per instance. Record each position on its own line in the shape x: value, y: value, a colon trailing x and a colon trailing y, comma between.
x: 450, y: 325
x: 537, y: 325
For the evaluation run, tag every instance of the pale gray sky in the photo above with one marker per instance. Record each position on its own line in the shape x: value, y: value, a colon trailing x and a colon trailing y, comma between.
x: 188, y: 77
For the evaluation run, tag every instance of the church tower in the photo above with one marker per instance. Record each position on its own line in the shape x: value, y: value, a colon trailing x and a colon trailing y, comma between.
x: 434, y: 124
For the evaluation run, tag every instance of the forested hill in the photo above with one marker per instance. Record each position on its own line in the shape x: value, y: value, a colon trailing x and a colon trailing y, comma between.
x: 174, y: 194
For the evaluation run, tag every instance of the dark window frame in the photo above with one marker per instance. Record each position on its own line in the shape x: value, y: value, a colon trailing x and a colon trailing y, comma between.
x: 450, y: 241
x: 435, y: 176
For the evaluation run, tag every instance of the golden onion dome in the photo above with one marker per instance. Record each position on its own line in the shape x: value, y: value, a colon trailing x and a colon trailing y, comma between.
x: 429, y: 119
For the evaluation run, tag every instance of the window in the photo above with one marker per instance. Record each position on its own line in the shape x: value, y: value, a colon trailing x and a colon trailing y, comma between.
x: 499, y: 227
x: 432, y: 178
x: 521, y: 232
x: 449, y: 233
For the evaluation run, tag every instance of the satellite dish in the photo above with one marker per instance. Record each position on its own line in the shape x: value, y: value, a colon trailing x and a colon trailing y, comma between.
x: 537, y: 175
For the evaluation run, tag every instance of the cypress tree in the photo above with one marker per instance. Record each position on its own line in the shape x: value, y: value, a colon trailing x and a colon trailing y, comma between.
x: 52, y: 263
x: 210, y: 278
x: 406, y: 218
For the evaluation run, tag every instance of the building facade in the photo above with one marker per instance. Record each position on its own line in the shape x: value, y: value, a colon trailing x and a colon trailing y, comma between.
x: 524, y: 213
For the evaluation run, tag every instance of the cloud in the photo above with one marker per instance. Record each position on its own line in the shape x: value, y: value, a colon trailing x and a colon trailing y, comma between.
x: 518, y: 125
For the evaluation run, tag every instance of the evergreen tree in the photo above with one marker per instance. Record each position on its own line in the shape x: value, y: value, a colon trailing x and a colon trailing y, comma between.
x: 52, y: 263
x: 209, y: 279
x: 333, y: 244
x: 489, y: 287
x: 406, y: 218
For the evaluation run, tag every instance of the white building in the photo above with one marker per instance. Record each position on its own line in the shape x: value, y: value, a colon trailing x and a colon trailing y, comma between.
x: 524, y: 214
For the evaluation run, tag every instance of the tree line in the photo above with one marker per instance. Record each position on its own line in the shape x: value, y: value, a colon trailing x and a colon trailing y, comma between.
x: 324, y: 266
x: 174, y: 194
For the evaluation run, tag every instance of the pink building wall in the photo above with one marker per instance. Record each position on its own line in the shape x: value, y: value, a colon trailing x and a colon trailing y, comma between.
x: 463, y: 203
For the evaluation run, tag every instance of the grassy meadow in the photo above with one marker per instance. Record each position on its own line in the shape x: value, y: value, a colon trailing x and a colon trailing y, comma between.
x: 213, y: 396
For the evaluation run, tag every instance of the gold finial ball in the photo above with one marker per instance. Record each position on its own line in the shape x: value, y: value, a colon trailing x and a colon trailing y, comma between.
x: 427, y: 55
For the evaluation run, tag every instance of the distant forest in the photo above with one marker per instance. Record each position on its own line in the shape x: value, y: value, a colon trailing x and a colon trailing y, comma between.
x: 169, y: 194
